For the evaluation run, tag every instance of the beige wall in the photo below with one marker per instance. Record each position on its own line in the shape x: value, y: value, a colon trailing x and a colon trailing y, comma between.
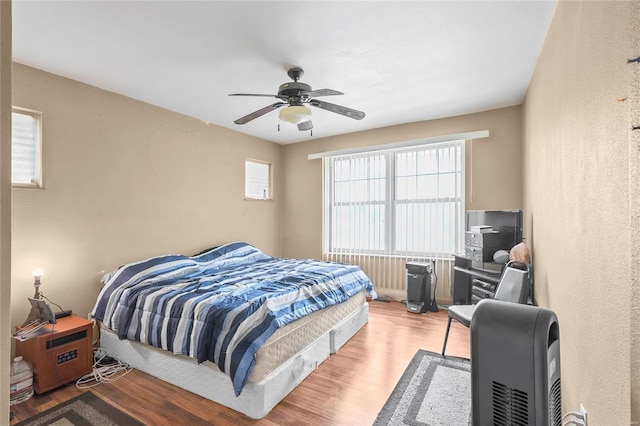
x: 5, y: 207
x: 576, y: 185
x: 634, y: 201
x: 125, y: 180
x: 493, y: 170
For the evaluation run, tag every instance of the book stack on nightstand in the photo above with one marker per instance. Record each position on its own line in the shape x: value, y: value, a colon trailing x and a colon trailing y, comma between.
x: 60, y: 353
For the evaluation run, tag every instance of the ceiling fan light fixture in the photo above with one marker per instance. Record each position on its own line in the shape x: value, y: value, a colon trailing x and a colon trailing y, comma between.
x: 295, y: 114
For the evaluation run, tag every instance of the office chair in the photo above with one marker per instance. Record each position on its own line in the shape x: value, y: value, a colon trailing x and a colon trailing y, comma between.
x: 514, y: 286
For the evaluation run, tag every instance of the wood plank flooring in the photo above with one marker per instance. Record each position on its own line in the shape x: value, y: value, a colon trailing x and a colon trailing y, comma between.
x: 349, y: 388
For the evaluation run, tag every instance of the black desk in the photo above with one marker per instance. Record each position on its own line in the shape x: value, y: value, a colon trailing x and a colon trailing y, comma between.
x: 464, y: 271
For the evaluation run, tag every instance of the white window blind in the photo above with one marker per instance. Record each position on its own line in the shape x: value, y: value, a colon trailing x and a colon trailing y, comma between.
x: 25, y: 148
x: 428, y: 204
x: 257, y: 180
x: 405, y: 202
x: 358, y: 203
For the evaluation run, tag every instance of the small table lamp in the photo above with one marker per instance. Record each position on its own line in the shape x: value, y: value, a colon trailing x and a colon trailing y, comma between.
x: 37, y: 274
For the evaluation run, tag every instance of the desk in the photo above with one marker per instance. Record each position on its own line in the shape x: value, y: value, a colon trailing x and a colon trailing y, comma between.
x: 464, y: 270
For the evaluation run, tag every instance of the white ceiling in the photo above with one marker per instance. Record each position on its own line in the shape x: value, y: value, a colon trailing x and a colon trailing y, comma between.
x: 397, y: 61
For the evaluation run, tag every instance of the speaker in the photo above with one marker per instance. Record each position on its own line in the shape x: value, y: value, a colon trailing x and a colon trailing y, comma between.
x: 515, y: 365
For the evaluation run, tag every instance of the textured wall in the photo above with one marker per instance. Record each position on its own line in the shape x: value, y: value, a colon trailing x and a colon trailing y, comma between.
x: 5, y: 207
x: 576, y: 180
x: 125, y: 180
x: 493, y: 170
x: 634, y: 202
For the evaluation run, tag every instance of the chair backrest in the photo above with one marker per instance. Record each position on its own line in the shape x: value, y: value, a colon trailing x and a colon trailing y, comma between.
x: 515, y: 283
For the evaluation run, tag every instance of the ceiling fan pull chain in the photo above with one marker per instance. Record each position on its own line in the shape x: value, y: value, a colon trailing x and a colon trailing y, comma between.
x: 278, y: 126
x: 311, y: 131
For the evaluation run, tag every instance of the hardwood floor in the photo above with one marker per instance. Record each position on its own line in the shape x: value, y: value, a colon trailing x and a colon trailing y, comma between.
x: 349, y: 388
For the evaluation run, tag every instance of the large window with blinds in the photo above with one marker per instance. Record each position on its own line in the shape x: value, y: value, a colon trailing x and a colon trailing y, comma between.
x: 404, y: 202
x: 26, y: 128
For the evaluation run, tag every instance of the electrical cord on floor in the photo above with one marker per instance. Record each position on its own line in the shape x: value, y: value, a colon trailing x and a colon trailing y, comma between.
x: 579, y: 419
x: 105, y: 370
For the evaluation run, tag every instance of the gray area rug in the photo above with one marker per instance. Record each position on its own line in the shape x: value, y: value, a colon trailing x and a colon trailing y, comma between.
x: 83, y: 410
x: 433, y: 391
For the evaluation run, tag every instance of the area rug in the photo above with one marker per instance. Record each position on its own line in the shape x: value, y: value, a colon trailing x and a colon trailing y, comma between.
x: 433, y: 391
x: 83, y: 410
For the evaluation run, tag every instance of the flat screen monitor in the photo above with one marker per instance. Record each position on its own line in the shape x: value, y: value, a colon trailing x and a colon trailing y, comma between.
x: 507, y: 222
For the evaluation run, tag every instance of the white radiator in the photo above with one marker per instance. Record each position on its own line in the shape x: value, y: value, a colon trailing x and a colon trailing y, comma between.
x: 389, y: 274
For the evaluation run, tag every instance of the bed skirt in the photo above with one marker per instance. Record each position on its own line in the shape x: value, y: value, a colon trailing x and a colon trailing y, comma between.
x: 257, y: 398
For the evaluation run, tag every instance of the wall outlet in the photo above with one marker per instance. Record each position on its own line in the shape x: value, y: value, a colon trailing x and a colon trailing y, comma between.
x: 583, y: 412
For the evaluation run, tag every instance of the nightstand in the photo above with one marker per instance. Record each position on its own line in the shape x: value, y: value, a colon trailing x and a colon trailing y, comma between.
x: 60, y: 353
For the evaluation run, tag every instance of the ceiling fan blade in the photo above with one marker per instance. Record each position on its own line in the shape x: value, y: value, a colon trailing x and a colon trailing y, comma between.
x: 259, y: 113
x: 338, y: 109
x: 322, y: 92
x: 258, y: 94
x: 305, y: 125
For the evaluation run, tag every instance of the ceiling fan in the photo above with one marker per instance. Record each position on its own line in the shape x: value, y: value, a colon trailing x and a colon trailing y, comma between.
x: 295, y: 95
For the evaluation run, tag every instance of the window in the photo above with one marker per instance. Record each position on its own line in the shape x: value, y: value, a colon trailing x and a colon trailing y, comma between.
x: 257, y: 180
x: 358, y: 206
x: 26, y: 148
x: 406, y: 202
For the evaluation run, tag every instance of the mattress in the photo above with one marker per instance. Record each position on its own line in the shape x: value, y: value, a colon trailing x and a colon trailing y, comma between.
x: 259, y: 396
x: 292, y: 338
x: 289, y: 340
x: 221, y: 305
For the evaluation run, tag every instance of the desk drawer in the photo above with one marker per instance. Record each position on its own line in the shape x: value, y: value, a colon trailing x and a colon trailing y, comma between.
x: 482, y: 293
x: 480, y: 254
x: 485, y: 285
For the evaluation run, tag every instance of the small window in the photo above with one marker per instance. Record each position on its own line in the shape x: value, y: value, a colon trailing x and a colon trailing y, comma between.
x: 26, y: 139
x: 257, y: 180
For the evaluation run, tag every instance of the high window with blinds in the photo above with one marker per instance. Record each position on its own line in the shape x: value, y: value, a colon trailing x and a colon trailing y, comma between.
x: 26, y: 148
x: 257, y: 180
x: 405, y: 202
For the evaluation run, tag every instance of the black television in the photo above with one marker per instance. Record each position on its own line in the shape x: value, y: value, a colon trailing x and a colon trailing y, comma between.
x: 507, y: 222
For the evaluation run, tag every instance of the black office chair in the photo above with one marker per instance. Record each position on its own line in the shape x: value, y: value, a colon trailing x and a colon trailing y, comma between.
x: 514, y: 286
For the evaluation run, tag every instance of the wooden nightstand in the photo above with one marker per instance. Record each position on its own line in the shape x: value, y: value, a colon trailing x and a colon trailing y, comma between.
x: 60, y: 353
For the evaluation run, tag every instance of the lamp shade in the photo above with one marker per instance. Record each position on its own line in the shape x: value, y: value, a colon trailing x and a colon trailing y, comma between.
x: 295, y: 114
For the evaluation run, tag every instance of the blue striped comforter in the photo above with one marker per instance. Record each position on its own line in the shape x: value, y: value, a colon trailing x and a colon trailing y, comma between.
x: 221, y: 305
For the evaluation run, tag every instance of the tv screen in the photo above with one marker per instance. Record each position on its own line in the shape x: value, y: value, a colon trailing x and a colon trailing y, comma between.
x: 507, y: 222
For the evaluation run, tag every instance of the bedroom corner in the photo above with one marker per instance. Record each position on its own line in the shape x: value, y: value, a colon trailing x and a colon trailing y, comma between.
x: 228, y: 303
x: 302, y: 207
x: 580, y: 202
x: 126, y: 180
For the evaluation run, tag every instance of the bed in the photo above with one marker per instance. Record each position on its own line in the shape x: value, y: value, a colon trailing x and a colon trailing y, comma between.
x: 231, y: 324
